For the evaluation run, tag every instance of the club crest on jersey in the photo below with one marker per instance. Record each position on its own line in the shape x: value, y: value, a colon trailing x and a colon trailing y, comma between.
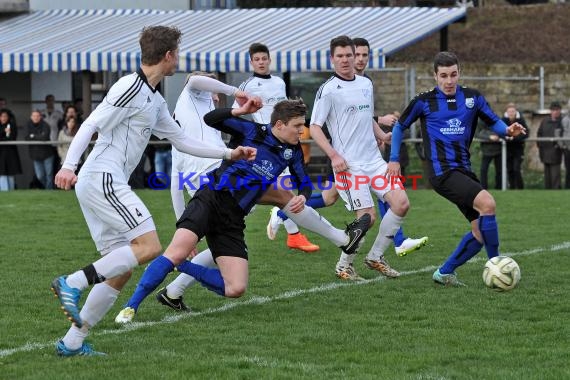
x: 287, y: 154
x: 470, y: 102
x: 146, y: 132
x: 367, y: 93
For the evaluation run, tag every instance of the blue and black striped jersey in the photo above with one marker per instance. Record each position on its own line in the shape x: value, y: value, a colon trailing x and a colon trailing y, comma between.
x: 448, y: 125
x: 248, y: 180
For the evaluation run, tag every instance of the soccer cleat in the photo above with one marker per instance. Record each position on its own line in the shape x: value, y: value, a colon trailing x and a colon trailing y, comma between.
x: 410, y: 245
x: 447, y: 279
x: 347, y: 273
x: 300, y: 241
x: 69, y: 299
x: 84, y: 350
x: 382, y: 266
x: 274, y: 223
x: 356, y: 231
x: 126, y: 315
x: 173, y: 303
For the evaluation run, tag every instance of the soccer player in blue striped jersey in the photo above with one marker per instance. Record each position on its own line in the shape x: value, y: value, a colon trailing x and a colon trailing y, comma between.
x: 448, y: 116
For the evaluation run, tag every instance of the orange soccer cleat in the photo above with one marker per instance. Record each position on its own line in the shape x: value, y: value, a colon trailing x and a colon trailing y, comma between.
x: 300, y: 241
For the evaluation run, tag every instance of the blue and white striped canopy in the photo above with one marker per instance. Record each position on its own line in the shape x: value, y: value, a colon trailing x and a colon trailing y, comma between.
x: 213, y: 40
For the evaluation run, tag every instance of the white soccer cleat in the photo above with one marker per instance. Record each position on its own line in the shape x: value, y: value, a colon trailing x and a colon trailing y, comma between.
x: 125, y: 316
x: 274, y: 223
x: 410, y: 245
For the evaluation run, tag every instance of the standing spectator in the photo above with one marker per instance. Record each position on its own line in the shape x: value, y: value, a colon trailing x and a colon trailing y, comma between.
x: 42, y: 155
x: 549, y: 151
x: 70, y: 111
x: 515, y: 147
x: 491, y: 151
x: 566, y: 145
x: 162, y: 158
x: 9, y: 157
x: 66, y: 135
x: 52, y: 117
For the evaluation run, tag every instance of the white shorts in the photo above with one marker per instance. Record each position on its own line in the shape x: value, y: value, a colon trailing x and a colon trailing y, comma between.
x: 360, y: 182
x: 186, y: 173
x: 114, y: 214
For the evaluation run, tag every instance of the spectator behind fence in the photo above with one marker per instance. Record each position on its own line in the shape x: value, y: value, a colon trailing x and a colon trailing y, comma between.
x: 42, y: 155
x: 52, y: 117
x: 515, y: 147
x: 491, y: 152
x: 566, y: 145
x: 9, y: 157
x: 70, y: 111
x: 550, y: 151
x: 66, y: 135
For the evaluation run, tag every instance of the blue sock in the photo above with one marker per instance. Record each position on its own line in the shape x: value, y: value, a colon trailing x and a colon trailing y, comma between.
x: 210, y: 278
x: 153, y: 276
x: 467, y: 248
x: 399, y: 237
x: 490, y: 233
x: 316, y: 201
x: 282, y: 215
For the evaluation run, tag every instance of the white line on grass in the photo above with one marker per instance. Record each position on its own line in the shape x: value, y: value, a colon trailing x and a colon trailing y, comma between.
x: 263, y: 300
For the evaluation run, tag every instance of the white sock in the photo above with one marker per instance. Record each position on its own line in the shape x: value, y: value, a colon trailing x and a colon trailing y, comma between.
x: 99, y: 301
x: 117, y: 262
x: 177, y: 287
x: 74, y: 338
x: 290, y: 226
x: 388, y: 227
x: 311, y: 220
x: 345, y: 260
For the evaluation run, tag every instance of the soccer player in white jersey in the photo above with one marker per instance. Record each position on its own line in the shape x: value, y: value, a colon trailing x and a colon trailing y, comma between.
x: 271, y: 89
x: 403, y: 245
x: 345, y: 103
x: 120, y: 224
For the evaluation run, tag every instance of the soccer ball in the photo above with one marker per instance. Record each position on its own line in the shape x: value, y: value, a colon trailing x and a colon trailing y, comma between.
x: 501, y: 273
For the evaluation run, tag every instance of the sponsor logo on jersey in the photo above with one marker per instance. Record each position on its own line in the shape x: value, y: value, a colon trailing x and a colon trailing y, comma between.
x: 453, y: 127
x: 452, y: 100
x: 265, y: 169
x: 287, y: 154
x: 358, y: 108
x: 470, y: 102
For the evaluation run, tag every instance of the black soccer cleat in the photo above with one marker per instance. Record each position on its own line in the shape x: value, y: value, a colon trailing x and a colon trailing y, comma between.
x: 173, y: 303
x: 356, y: 232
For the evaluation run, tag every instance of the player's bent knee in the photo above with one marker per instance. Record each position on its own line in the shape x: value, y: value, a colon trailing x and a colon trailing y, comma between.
x: 234, y: 291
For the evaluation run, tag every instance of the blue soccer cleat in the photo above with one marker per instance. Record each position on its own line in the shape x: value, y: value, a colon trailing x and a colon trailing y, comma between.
x: 447, y: 279
x: 84, y: 350
x: 69, y: 299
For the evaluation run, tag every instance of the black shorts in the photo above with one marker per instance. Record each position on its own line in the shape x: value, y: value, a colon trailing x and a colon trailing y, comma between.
x: 217, y: 216
x: 459, y: 187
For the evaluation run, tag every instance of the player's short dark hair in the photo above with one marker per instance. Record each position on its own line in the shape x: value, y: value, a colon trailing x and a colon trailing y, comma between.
x: 155, y: 41
x: 341, y: 41
x: 286, y: 110
x: 257, y: 47
x: 444, y: 59
x: 361, y: 42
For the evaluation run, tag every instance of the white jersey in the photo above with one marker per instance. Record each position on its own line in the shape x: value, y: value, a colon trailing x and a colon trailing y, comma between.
x: 125, y: 119
x: 193, y: 103
x: 347, y: 108
x: 270, y: 89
